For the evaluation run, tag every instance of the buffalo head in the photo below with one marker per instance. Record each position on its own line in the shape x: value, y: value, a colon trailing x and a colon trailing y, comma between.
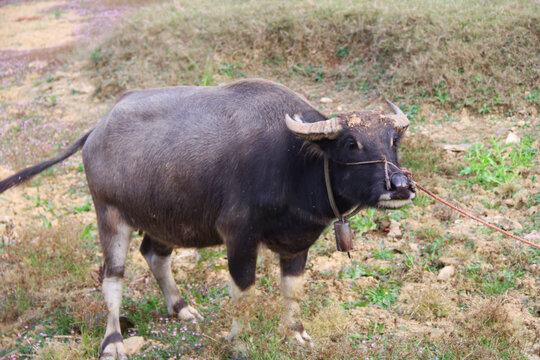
x: 362, y: 152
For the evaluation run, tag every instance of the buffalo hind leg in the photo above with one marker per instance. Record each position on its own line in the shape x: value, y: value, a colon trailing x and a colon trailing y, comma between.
x: 158, y: 257
x: 114, y: 235
x: 292, y: 283
x: 242, y: 267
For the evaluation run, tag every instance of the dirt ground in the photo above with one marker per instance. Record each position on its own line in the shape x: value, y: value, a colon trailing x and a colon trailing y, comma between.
x: 66, y: 102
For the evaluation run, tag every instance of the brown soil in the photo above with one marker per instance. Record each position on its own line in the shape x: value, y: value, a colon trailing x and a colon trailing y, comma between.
x: 36, y: 25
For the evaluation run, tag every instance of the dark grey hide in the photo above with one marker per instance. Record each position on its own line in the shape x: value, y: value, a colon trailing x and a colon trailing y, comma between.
x: 239, y: 164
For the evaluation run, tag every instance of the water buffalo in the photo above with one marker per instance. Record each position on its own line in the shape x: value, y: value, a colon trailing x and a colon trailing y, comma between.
x: 240, y: 164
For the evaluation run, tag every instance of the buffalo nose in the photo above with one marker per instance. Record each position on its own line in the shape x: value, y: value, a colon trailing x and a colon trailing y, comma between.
x: 400, y: 187
x: 399, y: 181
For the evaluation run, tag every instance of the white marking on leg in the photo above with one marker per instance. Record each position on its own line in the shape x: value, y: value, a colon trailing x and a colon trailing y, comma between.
x: 112, y: 292
x: 292, y: 289
x: 161, y: 268
x: 241, y: 300
x: 115, y: 249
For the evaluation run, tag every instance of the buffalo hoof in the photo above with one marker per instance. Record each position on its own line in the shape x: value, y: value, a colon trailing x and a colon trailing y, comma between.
x: 302, y: 338
x: 114, y: 351
x: 189, y: 313
x: 238, y: 327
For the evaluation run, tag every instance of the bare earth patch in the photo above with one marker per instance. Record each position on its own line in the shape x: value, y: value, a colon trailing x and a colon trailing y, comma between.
x: 35, y: 25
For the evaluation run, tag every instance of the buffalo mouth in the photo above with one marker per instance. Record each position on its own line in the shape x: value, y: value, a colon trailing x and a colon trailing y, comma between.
x: 396, y: 199
x: 400, y: 191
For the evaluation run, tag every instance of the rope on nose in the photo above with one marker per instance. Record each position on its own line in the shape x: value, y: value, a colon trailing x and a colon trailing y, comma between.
x: 329, y: 185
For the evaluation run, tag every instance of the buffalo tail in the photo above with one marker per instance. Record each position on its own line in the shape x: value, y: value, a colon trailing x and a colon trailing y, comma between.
x: 29, y: 172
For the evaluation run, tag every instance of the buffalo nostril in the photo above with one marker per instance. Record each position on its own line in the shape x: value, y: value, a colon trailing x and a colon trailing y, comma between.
x: 399, y: 181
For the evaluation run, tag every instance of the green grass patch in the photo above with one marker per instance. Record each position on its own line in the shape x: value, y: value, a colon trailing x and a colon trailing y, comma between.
x: 498, y: 163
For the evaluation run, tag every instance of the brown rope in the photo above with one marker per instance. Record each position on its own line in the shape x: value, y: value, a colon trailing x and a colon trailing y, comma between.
x: 507, y: 233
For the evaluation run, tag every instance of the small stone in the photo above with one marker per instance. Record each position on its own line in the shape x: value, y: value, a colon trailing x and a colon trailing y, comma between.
x: 446, y: 273
x: 340, y: 108
x: 465, y: 116
x: 38, y: 65
x: 512, y: 138
x: 436, y: 334
x: 326, y: 100
x: 449, y: 261
x: 505, y: 223
x: 414, y: 247
x: 134, y: 344
x: 394, y: 230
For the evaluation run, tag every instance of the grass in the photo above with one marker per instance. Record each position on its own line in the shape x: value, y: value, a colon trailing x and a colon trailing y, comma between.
x: 454, y: 53
x: 500, y: 163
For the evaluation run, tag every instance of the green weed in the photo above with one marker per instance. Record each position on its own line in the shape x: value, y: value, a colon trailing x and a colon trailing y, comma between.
x: 493, y: 283
x: 533, y: 97
x: 383, y: 296
x: 383, y: 254
x: 499, y: 163
x: 232, y: 70
x: 354, y: 271
x: 86, y: 207
x: 364, y: 221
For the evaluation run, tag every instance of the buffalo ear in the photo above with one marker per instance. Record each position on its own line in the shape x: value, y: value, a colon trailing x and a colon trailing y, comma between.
x: 319, y: 130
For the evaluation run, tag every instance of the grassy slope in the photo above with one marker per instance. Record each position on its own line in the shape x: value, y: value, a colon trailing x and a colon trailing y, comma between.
x: 384, y: 305
x: 479, y: 54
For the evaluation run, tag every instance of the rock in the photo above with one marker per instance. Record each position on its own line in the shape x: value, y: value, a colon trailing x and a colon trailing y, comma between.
x: 512, y: 138
x: 505, y: 223
x: 457, y: 147
x: 326, y: 100
x: 449, y: 261
x: 446, y: 273
x: 465, y: 116
x: 436, y: 334
x: 38, y: 65
x: 414, y: 247
x: 134, y: 344
x: 394, y: 230
x: 384, y: 224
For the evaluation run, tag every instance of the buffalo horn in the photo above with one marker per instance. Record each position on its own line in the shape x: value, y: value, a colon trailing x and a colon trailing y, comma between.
x: 314, y: 131
x: 401, y: 123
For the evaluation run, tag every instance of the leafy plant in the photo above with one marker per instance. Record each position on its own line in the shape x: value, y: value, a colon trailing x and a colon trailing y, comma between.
x: 383, y: 296
x: 533, y: 97
x: 500, y: 163
x: 362, y: 224
x: 383, y: 254
x: 231, y: 69
x: 354, y: 271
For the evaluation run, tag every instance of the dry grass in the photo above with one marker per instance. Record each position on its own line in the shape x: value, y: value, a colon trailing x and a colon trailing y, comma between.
x: 480, y: 54
x: 423, y: 303
x: 34, y: 268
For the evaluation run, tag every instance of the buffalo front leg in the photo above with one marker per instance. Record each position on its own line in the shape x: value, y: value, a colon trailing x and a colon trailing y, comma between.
x: 242, y: 267
x: 292, y: 284
x: 114, y: 235
x: 158, y: 257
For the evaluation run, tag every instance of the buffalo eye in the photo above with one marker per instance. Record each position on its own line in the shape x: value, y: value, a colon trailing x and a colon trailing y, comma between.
x: 394, y: 141
x: 351, y: 144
